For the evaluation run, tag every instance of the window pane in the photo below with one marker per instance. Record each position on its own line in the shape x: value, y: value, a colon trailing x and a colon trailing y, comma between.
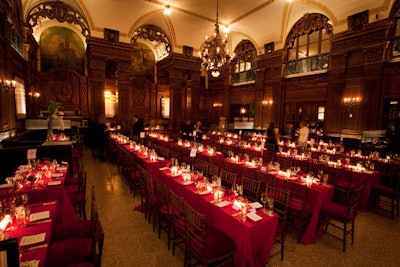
x: 303, y: 39
x: 313, y: 49
x: 314, y: 37
x: 302, y: 51
x: 292, y: 54
x: 325, y: 46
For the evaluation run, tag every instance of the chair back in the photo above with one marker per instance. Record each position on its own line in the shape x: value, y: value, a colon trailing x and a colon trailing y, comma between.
x: 230, y: 166
x: 97, y: 245
x: 228, y: 178
x: 149, y: 186
x: 251, y: 187
x: 212, y: 170
x: 249, y: 171
x: 177, y: 207
x: 200, y: 165
x: 281, y: 201
x: 196, y: 231
x: 10, y: 248
x: 285, y: 163
x: 162, y: 194
x: 298, y: 196
x: 353, y: 201
x: 266, y: 178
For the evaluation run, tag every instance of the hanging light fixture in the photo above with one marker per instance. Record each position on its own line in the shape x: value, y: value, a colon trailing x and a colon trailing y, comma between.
x: 213, y: 54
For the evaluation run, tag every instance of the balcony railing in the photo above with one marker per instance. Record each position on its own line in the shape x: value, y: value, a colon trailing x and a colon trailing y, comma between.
x: 307, y: 66
x: 243, y: 77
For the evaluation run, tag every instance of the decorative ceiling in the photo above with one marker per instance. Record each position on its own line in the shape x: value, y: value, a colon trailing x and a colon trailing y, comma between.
x: 261, y: 21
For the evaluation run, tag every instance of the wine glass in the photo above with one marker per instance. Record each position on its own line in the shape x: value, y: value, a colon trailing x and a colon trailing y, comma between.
x: 264, y: 200
x: 270, y: 206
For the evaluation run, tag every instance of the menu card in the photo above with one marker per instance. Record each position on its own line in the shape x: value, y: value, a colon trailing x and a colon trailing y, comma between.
x: 253, y: 216
x: 57, y: 174
x: 32, y: 239
x: 32, y: 263
x: 50, y: 183
x: 61, y: 169
x: 255, y: 205
x: 223, y: 203
x: 39, y: 215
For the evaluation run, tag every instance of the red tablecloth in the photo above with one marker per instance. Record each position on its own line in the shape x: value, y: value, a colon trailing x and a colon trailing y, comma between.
x: 253, y: 240
x: 37, y: 227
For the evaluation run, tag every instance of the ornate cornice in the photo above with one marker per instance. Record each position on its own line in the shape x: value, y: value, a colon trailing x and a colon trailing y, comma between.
x: 59, y: 11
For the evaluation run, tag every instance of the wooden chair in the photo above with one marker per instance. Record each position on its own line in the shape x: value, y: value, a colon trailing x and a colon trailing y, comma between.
x: 266, y: 179
x: 298, y: 214
x: 341, y: 215
x: 251, y: 187
x: 386, y: 194
x: 230, y: 166
x: 163, y: 209
x: 178, y: 221
x: 78, y: 251
x: 206, y: 246
x: 281, y: 202
x: 78, y: 198
x: 77, y: 228
x: 212, y: 170
x: 200, y: 165
x: 228, y: 178
x: 150, y: 199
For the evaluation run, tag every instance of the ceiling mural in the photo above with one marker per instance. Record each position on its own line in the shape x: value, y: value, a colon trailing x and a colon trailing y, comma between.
x: 143, y: 60
x: 60, y: 47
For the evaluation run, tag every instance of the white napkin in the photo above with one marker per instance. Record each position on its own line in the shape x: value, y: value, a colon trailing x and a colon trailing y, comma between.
x: 255, y: 205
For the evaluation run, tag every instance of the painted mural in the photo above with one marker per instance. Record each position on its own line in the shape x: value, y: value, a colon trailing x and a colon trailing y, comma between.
x: 62, y: 48
x: 142, y: 60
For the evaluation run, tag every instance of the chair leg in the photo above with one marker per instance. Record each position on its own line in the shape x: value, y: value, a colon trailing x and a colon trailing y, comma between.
x: 344, y: 236
x: 352, y: 231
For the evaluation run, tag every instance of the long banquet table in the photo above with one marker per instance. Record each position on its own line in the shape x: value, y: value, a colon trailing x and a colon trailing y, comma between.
x: 42, y: 197
x: 253, y: 240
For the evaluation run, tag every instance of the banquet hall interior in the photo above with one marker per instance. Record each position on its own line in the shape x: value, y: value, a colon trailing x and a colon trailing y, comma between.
x: 199, y: 133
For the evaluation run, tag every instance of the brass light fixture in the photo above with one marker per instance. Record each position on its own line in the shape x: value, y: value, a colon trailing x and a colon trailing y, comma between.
x: 213, y: 54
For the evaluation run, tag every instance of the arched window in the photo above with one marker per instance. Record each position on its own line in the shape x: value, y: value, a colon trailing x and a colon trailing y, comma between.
x: 244, y: 62
x: 308, y: 46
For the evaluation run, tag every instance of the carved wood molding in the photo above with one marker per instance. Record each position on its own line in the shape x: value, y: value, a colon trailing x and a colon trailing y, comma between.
x: 152, y: 33
x: 59, y: 11
x: 307, y: 24
x: 374, y: 54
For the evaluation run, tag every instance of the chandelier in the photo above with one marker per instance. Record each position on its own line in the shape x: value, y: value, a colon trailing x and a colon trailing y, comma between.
x: 213, y: 54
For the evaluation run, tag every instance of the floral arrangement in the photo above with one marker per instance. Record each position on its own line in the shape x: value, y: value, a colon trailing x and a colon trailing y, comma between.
x: 53, y: 114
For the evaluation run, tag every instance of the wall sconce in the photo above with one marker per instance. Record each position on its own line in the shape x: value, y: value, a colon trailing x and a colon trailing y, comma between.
x: 351, y: 101
x: 266, y: 103
x: 7, y: 85
x: 243, y: 111
x: 34, y: 94
x: 217, y: 105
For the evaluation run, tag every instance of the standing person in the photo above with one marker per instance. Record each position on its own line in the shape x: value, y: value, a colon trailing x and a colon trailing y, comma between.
x: 186, y: 130
x: 272, y: 135
x: 303, y: 135
x: 198, y: 127
x: 138, y: 125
